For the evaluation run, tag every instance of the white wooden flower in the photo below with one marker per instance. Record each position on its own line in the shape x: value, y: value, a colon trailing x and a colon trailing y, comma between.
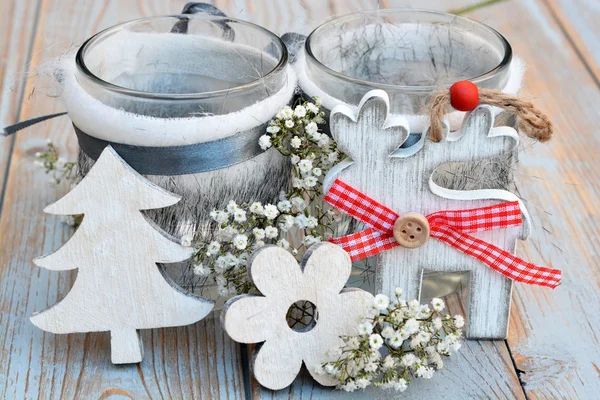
x: 319, y: 279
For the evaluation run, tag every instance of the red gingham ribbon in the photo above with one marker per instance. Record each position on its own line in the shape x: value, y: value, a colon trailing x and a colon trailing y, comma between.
x: 450, y: 226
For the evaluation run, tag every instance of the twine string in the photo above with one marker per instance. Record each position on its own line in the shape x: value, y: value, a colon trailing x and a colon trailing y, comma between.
x: 532, y: 122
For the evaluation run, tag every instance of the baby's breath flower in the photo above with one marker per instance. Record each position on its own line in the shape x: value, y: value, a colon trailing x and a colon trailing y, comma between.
x: 294, y: 159
x: 273, y: 129
x: 284, y: 206
x: 365, y: 328
x: 257, y: 208
x: 300, y: 111
x: 381, y: 302
x: 283, y: 244
x: 265, y: 142
x: 213, y: 247
x: 271, y: 211
x: 310, y: 181
x: 258, y: 233
x: 271, y: 232
x: 459, y: 321
x: 186, y: 240
x: 240, y: 242
x: 289, y: 124
x: 239, y: 215
x: 287, y: 112
x: 296, y: 142
x: 437, y: 304
x: 286, y: 223
x: 201, y: 270
x: 305, y: 166
x: 317, y: 171
x: 298, y: 203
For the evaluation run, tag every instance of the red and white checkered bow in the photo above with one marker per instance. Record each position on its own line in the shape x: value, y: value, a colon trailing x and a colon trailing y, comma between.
x: 450, y: 227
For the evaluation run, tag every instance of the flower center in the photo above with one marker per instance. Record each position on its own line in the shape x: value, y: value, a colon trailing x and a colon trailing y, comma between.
x: 302, y: 316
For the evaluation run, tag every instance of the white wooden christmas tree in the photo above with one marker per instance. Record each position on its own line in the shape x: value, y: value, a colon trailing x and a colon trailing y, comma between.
x: 119, y: 287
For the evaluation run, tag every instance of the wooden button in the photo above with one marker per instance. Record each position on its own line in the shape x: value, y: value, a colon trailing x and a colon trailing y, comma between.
x: 411, y: 230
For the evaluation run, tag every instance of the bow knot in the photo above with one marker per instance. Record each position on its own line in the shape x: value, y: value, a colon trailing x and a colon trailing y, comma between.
x: 449, y: 226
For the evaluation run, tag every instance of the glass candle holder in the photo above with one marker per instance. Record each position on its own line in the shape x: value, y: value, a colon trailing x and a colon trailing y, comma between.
x: 410, y: 54
x: 182, y: 80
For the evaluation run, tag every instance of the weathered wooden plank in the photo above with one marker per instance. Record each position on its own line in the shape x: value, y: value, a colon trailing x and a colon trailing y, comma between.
x: 17, y: 27
x: 197, y: 361
x: 579, y: 22
x: 554, y: 334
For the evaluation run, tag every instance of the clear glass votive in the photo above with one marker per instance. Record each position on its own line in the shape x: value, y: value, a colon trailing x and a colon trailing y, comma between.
x: 410, y: 54
x: 154, y: 72
x: 406, y: 52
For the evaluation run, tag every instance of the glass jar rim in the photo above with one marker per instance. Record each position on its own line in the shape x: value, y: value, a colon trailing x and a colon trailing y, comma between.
x: 82, y: 67
x: 504, y: 63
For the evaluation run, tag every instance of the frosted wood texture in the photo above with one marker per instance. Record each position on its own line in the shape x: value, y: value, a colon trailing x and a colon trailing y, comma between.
x: 119, y: 287
x: 400, y: 179
x: 320, y: 279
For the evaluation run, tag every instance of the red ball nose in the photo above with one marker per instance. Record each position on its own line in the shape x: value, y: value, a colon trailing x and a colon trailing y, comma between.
x: 464, y: 96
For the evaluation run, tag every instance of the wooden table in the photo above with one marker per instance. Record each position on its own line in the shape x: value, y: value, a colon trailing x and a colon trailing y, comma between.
x: 553, y: 350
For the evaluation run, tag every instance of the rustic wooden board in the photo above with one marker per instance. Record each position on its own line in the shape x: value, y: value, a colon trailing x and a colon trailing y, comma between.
x: 197, y: 361
x: 578, y: 20
x: 554, y: 334
x: 17, y: 27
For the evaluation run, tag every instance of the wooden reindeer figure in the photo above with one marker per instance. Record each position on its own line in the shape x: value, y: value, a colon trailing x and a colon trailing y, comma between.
x: 402, y: 180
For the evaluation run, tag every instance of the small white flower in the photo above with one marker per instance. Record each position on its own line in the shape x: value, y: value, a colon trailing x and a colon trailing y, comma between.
x: 61, y: 162
x: 287, y: 112
x: 38, y: 154
x: 437, y: 323
x: 400, y: 385
x: 49, y: 142
x: 286, y: 223
x: 371, y: 367
x: 239, y: 215
x: 300, y: 111
x: 408, y: 360
x: 283, y: 244
x: 311, y: 128
x: 271, y: 232
x: 305, y: 166
x: 186, y: 240
x: 295, y: 159
x: 259, y: 243
x: 396, y: 340
x: 264, y: 142
x: 271, y: 211
x: 297, y: 183
x: 258, y: 233
x: 317, y: 100
x: 284, y: 206
x: 201, y: 270
x: 350, y: 386
x: 312, y: 108
x: 437, y: 304
x: 398, y: 292
x: 424, y: 337
x: 289, y: 124
x: 309, y: 240
x: 301, y: 221
x: 310, y: 181
x: 459, y: 321
x: 213, y: 247
x: 424, y: 372
x: 333, y: 157
x: 388, y: 362
x: 257, y: 208
x: 362, y: 383
x: 323, y: 141
x: 365, y: 328
x: 375, y: 341
x: 317, y: 171
x: 381, y: 302
x: 231, y: 206
x: 296, y: 142
x: 298, y: 203
x: 388, y: 332
x: 411, y: 326
x: 240, y: 242
x: 219, y: 216
x: 273, y: 129
x: 311, y: 222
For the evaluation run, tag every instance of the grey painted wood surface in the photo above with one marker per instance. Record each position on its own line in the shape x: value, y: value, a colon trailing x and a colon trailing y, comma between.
x: 553, y: 343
